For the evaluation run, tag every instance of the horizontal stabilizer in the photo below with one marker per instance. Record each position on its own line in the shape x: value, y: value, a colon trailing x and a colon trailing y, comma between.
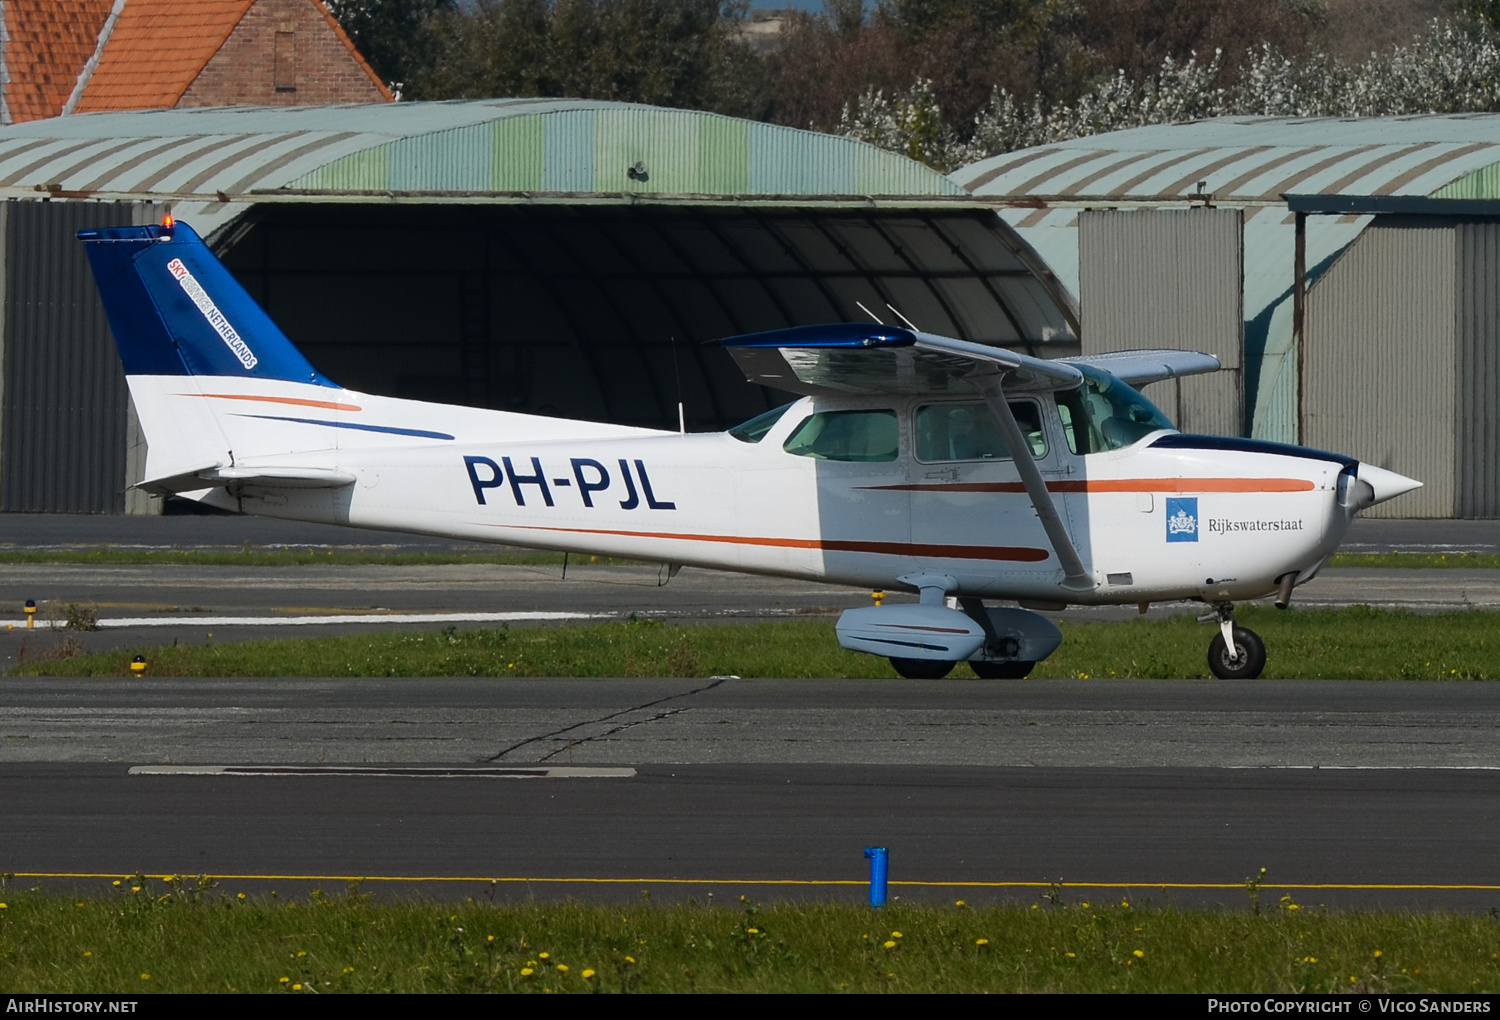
x: 1137, y: 368
x: 215, y: 475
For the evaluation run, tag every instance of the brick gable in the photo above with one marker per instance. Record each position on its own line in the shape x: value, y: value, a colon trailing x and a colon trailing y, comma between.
x: 285, y: 53
x: 164, y: 53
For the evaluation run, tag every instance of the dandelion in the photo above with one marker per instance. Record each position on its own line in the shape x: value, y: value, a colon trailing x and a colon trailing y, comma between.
x: 587, y: 974
x: 1072, y: 956
x: 348, y: 970
x: 117, y: 883
x: 1309, y: 959
x: 1293, y: 906
x: 562, y: 968
x: 286, y: 980
x: 1378, y: 954
x: 631, y: 959
x: 895, y: 934
x: 296, y: 988
x: 1125, y: 904
x: 981, y: 942
x: 960, y: 904
x: 87, y: 954
x: 753, y: 931
x: 1085, y: 905
x: 490, y: 938
x: 301, y: 953
x: 135, y: 888
x: 241, y: 897
x: 145, y: 977
x: 543, y: 956
x: 890, y: 944
x: 527, y: 972
x: 4, y: 906
x: 1139, y: 954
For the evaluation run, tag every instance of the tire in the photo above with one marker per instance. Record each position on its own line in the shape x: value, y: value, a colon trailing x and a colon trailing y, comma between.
x: 1251, y: 653
x: 1015, y: 670
x: 922, y: 669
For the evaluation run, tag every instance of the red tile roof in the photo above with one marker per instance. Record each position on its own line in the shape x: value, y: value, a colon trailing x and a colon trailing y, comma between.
x: 156, y: 50
x: 50, y: 41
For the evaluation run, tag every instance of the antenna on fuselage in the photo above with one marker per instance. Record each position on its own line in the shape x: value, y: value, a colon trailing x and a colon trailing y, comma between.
x: 861, y: 306
x: 909, y: 324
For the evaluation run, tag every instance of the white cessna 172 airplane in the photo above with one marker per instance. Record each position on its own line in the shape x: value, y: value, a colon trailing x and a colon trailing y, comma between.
x: 915, y: 462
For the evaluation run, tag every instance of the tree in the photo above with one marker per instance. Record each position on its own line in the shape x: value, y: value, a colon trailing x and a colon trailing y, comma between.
x: 393, y: 35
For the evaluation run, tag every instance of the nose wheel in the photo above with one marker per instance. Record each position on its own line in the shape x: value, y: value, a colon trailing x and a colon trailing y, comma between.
x: 1235, y: 653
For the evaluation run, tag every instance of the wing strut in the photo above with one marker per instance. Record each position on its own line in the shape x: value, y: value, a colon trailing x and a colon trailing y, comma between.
x: 1075, y: 577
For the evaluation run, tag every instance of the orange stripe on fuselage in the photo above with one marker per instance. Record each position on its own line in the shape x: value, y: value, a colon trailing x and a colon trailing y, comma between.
x: 1020, y: 554
x: 1118, y: 485
x: 327, y: 405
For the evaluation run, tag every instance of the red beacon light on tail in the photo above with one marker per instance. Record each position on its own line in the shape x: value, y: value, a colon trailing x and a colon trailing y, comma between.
x: 167, y: 223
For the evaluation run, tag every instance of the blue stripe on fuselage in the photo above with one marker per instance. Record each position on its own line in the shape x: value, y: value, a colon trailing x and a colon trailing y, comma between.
x: 420, y: 433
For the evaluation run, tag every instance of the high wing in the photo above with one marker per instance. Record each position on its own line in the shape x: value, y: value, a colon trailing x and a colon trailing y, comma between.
x: 860, y: 358
x: 1137, y: 368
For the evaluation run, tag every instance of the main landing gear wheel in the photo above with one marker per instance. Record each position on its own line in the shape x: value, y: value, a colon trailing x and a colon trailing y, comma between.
x: 922, y: 669
x: 1246, y: 663
x: 1016, y: 670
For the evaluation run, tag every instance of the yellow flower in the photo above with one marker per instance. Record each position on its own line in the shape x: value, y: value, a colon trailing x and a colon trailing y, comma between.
x: 348, y: 970
x: 562, y: 968
x: 301, y: 953
x: 890, y: 944
x: 145, y: 977
x: 1125, y: 904
x: 981, y: 942
x: 526, y: 972
x: 135, y: 888
x: 117, y: 883
x: 753, y: 931
x: 491, y: 938
x: 895, y: 934
x: 1293, y: 906
x: 1072, y: 956
x: 286, y: 980
x: 1085, y: 905
x: 588, y: 974
x: 960, y: 904
x: 87, y: 953
x: 1139, y: 954
x: 631, y: 959
x: 543, y: 956
x: 296, y: 988
x: 4, y: 906
x: 241, y: 897
x: 1377, y: 955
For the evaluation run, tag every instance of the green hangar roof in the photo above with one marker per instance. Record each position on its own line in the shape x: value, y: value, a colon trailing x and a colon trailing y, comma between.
x: 511, y: 147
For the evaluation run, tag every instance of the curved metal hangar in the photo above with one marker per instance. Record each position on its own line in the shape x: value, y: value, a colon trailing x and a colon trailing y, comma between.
x: 561, y: 257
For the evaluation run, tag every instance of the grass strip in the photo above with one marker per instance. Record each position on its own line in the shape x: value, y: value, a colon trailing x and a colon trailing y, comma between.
x: 183, y: 938
x: 343, y: 556
x: 1357, y: 643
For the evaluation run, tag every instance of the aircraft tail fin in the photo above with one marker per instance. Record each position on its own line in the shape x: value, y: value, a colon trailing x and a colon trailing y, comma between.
x: 175, y: 309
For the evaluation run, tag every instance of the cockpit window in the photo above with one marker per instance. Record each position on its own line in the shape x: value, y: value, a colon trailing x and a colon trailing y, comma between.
x: 754, y: 430
x: 846, y: 435
x: 1106, y: 414
x: 969, y: 432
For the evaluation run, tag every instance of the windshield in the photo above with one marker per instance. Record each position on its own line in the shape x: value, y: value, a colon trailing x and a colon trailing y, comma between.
x: 1106, y: 414
x: 754, y: 430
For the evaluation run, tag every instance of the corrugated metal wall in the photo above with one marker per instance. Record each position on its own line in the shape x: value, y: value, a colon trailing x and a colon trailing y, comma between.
x: 1380, y: 357
x: 1477, y: 421
x: 1170, y: 278
x: 63, y: 418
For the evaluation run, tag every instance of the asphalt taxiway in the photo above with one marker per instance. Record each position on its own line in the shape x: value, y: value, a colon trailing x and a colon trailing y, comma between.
x: 1352, y: 794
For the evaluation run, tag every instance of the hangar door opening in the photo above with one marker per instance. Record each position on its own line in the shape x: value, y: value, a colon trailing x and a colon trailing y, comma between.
x: 607, y: 312
x: 1170, y: 278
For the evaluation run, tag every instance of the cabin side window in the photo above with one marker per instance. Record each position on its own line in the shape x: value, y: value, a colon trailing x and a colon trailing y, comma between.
x: 846, y: 435
x: 969, y: 432
x: 1106, y: 414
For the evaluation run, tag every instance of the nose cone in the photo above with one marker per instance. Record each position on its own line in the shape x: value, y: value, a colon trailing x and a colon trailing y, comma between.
x: 1385, y: 484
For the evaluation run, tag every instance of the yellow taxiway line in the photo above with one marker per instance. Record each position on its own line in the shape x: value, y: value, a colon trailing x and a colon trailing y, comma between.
x: 1395, y: 886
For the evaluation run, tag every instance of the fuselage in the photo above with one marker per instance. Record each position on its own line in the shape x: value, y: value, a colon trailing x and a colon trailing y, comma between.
x: 861, y: 491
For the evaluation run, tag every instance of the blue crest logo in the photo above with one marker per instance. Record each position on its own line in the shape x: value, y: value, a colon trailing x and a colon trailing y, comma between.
x: 1182, y: 519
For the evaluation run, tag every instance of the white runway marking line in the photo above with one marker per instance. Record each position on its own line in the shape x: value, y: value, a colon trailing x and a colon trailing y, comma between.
x: 189, y: 620
x: 395, y: 771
